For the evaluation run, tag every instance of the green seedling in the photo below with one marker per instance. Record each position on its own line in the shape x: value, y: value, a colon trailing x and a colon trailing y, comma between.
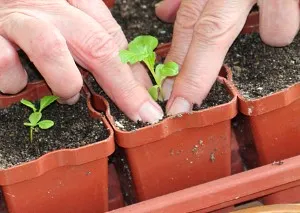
x: 36, y: 116
x: 141, y: 49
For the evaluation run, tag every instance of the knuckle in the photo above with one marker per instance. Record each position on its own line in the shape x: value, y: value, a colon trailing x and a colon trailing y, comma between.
x: 8, y: 57
x: 127, y: 89
x: 100, y: 46
x: 51, y: 45
x: 212, y: 27
x: 188, y: 14
x: 189, y: 83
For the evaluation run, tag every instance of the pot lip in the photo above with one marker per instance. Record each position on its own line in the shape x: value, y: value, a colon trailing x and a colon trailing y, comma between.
x: 29, y: 87
x: 62, y: 157
x: 172, y: 124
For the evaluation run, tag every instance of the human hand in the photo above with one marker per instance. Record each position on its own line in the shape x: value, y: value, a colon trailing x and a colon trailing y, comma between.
x: 203, y: 32
x: 52, y: 33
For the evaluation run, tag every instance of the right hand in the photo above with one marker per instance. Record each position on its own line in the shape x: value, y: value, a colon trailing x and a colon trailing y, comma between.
x: 204, y: 31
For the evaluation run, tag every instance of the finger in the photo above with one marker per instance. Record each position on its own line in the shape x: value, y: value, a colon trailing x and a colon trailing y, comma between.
x: 93, y: 47
x: 47, y: 49
x: 279, y: 21
x: 98, y: 11
x: 218, y: 26
x: 166, y: 10
x: 187, y: 17
x: 13, y: 77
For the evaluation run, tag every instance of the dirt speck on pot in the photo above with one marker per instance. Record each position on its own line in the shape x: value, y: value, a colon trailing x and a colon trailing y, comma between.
x: 73, y: 128
x: 259, y: 69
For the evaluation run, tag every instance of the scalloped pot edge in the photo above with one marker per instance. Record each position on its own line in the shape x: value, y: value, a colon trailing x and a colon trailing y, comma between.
x: 57, y: 175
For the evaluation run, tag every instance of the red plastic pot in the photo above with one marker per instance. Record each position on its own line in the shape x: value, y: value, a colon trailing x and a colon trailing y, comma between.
x: 67, y: 180
x: 109, y: 3
x: 275, y: 130
x: 174, y: 153
x: 271, y: 124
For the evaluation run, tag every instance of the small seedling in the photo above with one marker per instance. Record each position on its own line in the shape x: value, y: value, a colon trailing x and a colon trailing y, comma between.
x: 141, y: 49
x: 36, y: 116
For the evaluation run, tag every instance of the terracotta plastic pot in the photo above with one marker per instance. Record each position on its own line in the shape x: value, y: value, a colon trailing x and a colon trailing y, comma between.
x: 180, y: 151
x: 271, y: 124
x: 225, y: 192
x: 109, y: 3
x: 67, y: 180
x: 275, y: 130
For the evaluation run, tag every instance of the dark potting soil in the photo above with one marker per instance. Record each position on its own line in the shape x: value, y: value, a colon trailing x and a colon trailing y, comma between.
x: 259, y: 69
x: 217, y: 96
x: 73, y: 128
x: 32, y: 72
x: 137, y: 17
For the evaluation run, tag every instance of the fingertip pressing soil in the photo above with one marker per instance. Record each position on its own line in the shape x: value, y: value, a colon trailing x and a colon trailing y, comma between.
x: 73, y: 128
x: 137, y: 17
x: 217, y: 96
x: 259, y: 69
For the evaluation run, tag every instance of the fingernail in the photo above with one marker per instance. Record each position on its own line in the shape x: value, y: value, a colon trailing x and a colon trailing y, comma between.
x: 70, y: 101
x: 159, y: 3
x: 149, y: 113
x: 179, y: 105
x: 167, y: 88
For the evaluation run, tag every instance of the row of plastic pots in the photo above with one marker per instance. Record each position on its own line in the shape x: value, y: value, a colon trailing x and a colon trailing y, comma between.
x: 177, y: 153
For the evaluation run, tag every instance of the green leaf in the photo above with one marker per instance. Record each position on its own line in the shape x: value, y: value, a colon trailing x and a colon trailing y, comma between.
x: 35, y: 117
x: 168, y: 69
x: 143, y: 44
x: 29, y: 104
x: 150, y: 60
x: 46, y: 124
x: 130, y: 57
x: 46, y: 101
x: 28, y: 124
x: 153, y: 91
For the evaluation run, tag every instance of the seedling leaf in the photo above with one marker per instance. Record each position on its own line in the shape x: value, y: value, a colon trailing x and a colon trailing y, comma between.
x: 29, y: 104
x: 150, y: 61
x: 28, y: 124
x: 46, y: 124
x: 144, y: 44
x: 153, y: 91
x: 131, y: 57
x: 46, y: 101
x: 168, y: 69
x: 35, y: 117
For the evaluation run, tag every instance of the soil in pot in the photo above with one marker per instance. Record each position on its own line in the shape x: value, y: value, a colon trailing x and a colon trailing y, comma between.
x: 73, y: 128
x: 32, y: 72
x: 137, y: 17
x: 217, y: 96
x: 259, y: 69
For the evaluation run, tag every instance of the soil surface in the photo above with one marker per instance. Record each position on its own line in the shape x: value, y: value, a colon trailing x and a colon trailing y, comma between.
x: 217, y: 96
x: 259, y: 69
x: 32, y: 72
x: 73, y: 128
x: 137, y: 17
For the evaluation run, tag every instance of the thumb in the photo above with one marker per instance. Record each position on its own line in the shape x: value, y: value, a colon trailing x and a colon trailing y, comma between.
x: 166, y: 10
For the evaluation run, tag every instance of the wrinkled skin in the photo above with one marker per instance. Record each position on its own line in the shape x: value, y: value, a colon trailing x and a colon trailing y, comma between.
x: 53, y: 34
x: 203, y: 32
